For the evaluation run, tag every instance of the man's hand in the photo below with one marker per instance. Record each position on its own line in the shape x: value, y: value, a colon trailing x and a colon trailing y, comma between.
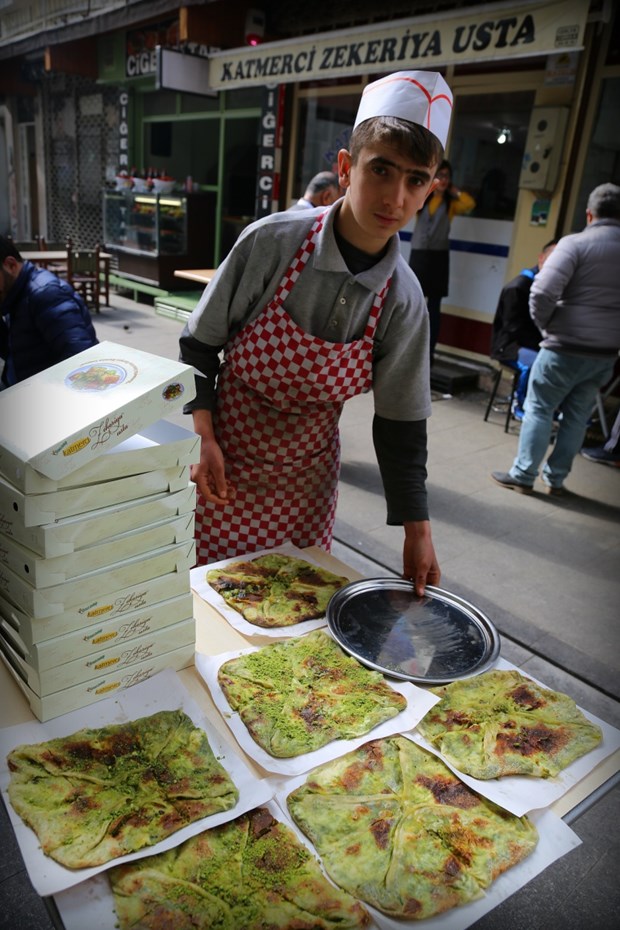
x: 209, y: 475
x: 419, y: 560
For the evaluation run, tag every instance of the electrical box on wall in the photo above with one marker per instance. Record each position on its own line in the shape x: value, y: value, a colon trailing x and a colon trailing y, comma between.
x: 543, y: 148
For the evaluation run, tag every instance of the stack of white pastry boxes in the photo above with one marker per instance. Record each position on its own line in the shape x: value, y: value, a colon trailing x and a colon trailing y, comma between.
x: 96, y: 526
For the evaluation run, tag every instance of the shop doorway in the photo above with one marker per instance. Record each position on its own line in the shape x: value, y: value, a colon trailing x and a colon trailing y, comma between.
x: 239, y: 166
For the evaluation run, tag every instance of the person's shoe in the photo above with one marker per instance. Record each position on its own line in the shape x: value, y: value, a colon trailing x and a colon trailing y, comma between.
x: 507, y: 481
x: 556, y: 492
x: 599, y: 454
x: 518, y: 413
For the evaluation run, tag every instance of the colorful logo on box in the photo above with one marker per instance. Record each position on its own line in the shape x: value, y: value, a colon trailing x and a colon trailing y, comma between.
x: 172, y: 391
x: 101, y: 375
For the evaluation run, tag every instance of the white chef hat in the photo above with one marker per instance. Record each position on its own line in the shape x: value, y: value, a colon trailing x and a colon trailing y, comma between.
x: 422, y: 97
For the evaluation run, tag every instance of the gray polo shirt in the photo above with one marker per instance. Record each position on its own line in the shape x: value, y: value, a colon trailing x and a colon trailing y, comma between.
x: 333, y: 304
x: 328, y: 302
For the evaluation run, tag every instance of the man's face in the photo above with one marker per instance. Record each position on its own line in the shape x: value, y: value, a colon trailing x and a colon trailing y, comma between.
x: 9, y: 271
x: 443, y: 180
x: 544, y: 255
x: 385, y: 189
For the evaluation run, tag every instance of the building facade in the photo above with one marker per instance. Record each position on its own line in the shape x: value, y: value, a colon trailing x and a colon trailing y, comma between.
x: 241, y: 106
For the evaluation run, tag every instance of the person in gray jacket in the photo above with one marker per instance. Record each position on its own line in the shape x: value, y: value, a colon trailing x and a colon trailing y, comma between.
x: 575, y: 302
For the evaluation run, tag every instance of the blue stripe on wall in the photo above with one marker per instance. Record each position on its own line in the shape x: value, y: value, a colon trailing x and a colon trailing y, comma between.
x: 462, y: 245
x: 481, y: 248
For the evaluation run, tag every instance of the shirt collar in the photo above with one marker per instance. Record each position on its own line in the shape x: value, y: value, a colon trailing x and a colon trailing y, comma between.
x: 327, y: 255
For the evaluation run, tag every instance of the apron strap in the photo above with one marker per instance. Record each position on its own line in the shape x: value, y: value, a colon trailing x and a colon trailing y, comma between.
x: 298, y: 263
x: 375, y: 311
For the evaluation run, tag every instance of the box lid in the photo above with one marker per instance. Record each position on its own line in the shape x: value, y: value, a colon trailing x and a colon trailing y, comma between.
x: 67, y: 415
x: 161, y: 445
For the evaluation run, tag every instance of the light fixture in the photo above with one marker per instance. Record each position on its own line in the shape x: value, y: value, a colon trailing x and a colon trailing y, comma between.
x: 503, y: 136
x: 254, y: 27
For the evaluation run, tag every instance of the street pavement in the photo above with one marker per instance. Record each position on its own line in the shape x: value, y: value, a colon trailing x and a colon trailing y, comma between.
x: 546, y: 572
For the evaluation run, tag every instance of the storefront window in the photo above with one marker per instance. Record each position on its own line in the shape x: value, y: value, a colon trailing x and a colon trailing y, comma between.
x: 238, y: 178
x: 184, y: 148
x: 161, y: 103
x: 482, y: 163
x: 603, y: 157
x: 198, y: 103
x: 325, y: 125
x: 245, y: 97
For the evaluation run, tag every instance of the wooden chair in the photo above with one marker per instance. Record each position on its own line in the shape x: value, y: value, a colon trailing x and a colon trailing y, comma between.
x: 26, y: 245
x: 83, y: 275
x: 58, y: 267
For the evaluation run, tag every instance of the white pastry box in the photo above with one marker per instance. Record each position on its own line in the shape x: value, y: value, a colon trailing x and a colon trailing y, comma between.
x: 38, y: 509
x: 43, y: 573
x: 73, y: 533
x: 61, y: 702
x: 64, y: 417
x: 79, y: 593
x: 117, y: 658
x: 161, y: 445
x: 89, y: 640
x: 133, y: 601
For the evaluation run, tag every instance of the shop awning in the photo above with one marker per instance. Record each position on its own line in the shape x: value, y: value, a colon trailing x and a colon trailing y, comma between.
x: 434, y: 41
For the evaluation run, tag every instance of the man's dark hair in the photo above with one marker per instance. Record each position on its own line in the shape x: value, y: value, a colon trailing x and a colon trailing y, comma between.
x: 320, y: 182
x: 8, y: 250
x: 412, y: 141
x: 604, y: 202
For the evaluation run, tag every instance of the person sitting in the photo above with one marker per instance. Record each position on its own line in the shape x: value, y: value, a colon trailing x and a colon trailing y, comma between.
x: 322, y: 191
x: 609, y: 452
x: 42, y: 319
x: 516, y: 338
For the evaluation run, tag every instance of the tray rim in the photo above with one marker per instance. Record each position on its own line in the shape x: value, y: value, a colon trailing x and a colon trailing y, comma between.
x: 483, y: 623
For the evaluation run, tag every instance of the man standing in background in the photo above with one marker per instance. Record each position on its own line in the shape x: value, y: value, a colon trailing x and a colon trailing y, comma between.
x: 575, y: 302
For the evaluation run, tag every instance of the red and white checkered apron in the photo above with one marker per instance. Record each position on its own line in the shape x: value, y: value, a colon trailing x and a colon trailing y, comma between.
x: 280, y: 395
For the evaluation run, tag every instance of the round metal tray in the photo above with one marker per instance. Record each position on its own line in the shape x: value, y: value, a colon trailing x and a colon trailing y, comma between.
x: 431, y: 640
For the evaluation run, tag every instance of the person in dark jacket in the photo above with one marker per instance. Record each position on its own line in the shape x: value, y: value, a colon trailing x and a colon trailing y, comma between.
x: 43, y: 320
x: 516, y: 338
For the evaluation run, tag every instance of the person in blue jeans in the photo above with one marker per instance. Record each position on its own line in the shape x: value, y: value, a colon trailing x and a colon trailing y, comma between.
x: 516, y: 338
x: 575, y: 302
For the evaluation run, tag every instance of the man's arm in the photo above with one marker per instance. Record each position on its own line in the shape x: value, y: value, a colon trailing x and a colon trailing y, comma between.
x: 63, y: 321
x: 551, y: 281
x: 209, y: 474
x: 401, y: 454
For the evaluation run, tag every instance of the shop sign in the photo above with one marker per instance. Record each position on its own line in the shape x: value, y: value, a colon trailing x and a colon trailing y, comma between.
x: 141, y: 47
x: 123, y: 131
x: 269, y: 151
x: 433, y: 41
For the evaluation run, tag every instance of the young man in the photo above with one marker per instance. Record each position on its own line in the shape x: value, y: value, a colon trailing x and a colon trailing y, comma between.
x: 310, y: 308
x: 43, y: 320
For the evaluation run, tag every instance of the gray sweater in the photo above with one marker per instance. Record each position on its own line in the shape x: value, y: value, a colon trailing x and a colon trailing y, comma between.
x: 575, y: 298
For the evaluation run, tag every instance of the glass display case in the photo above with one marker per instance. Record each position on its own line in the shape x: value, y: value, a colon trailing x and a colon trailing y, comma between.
x: 155, y: 234
x: 153, y: 223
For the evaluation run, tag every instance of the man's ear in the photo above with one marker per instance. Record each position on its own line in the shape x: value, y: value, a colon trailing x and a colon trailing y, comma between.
x: 344, y: 167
